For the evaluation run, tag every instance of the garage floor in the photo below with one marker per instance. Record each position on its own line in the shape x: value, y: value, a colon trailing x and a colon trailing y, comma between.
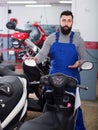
x: 90, y: 112
x: 90, y: 109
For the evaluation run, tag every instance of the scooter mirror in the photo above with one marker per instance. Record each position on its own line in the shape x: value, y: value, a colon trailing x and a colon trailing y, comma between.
x: 11, y: 25
x: 87, y: 65
x: 30, y: 62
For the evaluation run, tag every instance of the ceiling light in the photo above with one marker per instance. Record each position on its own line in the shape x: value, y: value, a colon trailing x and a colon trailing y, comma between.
x: 42, y: 5
x: 65, y: 2
x: 21, y: 2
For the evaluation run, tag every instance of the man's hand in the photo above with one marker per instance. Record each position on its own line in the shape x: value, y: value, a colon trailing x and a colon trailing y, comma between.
x: 76, y: 65
x: 35, y: 58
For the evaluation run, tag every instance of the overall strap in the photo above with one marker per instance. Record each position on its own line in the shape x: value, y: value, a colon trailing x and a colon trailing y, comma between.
x: 57, y: 36
x: 71, y: 37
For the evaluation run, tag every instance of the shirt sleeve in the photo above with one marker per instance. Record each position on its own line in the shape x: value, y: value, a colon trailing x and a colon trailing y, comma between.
x: 43, y: 53
x: 81, y: 49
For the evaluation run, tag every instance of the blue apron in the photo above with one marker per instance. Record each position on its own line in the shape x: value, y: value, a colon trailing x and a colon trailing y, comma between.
x: 61, y: 56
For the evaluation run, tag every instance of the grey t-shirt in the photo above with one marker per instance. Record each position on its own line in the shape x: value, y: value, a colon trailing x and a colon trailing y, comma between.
x: 77, y: 40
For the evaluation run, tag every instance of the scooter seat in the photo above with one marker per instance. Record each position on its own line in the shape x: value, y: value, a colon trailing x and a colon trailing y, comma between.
x: 10, y: 66
x: 50, y: 121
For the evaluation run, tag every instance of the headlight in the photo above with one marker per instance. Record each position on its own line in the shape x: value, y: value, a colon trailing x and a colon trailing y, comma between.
x: 16, y: 44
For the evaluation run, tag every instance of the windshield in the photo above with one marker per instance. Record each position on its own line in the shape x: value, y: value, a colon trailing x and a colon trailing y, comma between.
x: 35, y: 34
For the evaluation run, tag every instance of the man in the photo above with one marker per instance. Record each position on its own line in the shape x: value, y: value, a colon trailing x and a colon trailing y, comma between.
x: 65, y: 57
x: 67, y: 51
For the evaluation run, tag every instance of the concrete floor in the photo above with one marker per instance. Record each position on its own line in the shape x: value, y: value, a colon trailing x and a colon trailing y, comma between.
x: 90, y: 112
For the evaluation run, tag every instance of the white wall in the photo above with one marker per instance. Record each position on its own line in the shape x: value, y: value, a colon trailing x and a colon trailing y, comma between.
x: 3, y: 18
x: 86, y: 18
x: 48, y: 15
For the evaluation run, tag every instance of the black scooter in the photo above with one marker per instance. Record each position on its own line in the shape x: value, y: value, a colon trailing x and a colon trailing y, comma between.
x: 14, y: 101
x: 33, y: 84
x: 60, y: 110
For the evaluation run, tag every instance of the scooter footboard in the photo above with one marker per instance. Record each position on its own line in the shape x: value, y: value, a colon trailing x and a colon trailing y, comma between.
x: 46, y: 121
x: 49, y: 121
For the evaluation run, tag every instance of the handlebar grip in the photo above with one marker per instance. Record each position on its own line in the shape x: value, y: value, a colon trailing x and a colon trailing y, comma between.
x: 83, y: 87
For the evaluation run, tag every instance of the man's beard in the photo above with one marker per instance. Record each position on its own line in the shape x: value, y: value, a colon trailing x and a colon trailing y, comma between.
x: 65, y: 30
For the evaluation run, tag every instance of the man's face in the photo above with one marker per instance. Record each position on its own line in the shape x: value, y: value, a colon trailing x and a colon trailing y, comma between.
x: 66, y: 24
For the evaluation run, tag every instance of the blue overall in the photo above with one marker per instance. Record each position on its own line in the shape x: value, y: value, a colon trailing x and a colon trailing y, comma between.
x: 61, y: 56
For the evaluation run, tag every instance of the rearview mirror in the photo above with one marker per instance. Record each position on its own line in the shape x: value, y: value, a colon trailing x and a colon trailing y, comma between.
x: 30, y: 62
x: 87, y: 65
x: 11, y: 25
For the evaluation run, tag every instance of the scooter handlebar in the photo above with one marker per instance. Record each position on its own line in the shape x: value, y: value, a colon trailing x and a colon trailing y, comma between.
x: 83, y: 87
x: 59, y: 80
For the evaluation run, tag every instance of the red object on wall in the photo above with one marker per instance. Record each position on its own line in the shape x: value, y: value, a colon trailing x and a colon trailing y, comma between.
x: 91, y: 45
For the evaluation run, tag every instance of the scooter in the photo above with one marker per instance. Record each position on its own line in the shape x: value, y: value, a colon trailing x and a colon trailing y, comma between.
x: 33, y: 85
x: 13, y: 105
x: 13, y: 102
x: 36, y: 35
x: 9, y: 99
x: 61, y: 106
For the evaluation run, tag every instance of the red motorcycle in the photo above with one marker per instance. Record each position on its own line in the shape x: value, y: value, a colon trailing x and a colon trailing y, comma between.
x: 36, y: 35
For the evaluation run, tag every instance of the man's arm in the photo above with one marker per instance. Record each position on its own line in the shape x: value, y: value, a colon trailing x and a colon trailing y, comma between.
x: 80, y: 46
x: 43, y: 53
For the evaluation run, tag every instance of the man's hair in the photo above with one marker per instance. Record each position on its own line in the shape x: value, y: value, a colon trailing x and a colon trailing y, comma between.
x: 67, y: 12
